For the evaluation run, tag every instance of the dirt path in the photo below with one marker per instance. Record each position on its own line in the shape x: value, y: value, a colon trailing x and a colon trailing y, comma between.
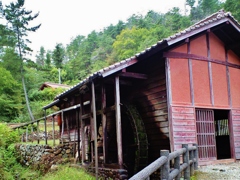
x: 229, y: 171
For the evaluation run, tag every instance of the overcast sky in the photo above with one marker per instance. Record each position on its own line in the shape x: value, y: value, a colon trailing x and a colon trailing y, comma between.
x: 64, y: 19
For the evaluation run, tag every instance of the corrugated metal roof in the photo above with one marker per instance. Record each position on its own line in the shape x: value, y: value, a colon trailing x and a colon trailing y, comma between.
x: 208, y: 22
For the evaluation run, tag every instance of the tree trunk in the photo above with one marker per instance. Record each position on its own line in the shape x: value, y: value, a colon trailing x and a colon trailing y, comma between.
x: 26, y: 96
x: 59, y: 75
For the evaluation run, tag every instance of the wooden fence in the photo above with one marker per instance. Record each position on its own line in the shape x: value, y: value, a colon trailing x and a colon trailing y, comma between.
x: 185, y: 161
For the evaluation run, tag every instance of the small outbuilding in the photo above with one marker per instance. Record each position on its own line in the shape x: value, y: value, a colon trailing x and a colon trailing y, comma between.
x: 183, y: 90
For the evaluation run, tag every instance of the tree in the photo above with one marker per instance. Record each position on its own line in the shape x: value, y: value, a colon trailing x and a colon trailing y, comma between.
x: 48, y: 59
x: 12, y: 62
x: 234, y: 7
x: 10, y: 97
x: 128, y: 42
x: 18, y: 18
x: 40, y: 58
x: 58, y: 58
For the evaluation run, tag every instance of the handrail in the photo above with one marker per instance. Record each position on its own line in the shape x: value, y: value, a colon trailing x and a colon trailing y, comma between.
x: 189, y: 164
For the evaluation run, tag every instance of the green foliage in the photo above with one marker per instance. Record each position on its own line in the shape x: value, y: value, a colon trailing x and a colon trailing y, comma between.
x: 10, y: 96
x: 128, y: 42
x: 7, y: 136
x: 47, y: 94
x: 12, y: 62
x: 234, y: 7
x: 40, y: 57
x: 58, y: 55
x: 68, y: 173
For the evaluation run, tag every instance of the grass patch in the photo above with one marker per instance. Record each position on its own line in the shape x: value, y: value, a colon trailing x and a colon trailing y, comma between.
x: 64, y: 172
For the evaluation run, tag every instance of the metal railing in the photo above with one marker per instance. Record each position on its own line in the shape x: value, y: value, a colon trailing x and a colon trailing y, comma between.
x: 185, y: 168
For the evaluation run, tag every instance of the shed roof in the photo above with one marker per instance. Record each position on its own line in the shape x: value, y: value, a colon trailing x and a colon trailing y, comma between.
x: 219, y: 21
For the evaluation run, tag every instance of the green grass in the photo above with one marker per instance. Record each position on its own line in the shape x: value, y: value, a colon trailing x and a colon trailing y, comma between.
x: 64, y: 172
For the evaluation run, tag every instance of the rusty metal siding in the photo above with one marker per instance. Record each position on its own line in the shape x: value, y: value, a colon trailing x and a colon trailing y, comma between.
x: 183, y: 126
x: 206, y: 134
x: 236, y: 131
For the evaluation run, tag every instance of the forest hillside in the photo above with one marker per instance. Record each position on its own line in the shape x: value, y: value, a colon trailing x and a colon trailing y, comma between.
x: 21, y: 78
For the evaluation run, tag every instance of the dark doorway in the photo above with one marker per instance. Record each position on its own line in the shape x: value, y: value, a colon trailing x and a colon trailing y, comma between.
x: 222, y: 134
x: 213, y: 134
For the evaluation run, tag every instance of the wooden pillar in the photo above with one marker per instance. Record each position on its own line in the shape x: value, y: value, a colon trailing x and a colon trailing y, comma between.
x: 62, y: 126
x: 165, y: 168
x: 78, y: 117
x: 95, y: 129
x: 186, y: 160
x: 190, y: 73
x: 45, y: 126
x: 210, y: 69
x: 38, y: 138
x: 82, y: 131
x: 27, y: 134
x: 53, y: 133
x: 118, y: 121
x: 104, y: 125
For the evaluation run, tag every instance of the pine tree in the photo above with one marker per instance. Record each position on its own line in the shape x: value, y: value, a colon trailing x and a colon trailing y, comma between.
x: 18, y: 19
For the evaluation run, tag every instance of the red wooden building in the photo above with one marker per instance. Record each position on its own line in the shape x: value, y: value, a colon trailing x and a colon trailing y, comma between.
x: 183, y: 90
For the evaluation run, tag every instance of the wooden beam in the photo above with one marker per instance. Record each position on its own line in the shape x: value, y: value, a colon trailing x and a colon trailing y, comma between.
x: 62, y: 126
x: 78, y: 117
x: 53, y: 133
x: 133, y: 75
x: 118, y: 121
x: 169, y: 101
x: 228, y: 80
x: 82, y: 124
x: 178, y: 55
x: 104, y: 125
x: 45, y: 126
x: 190, y: 73
x: 210, y: 69
x: 122, y: 82
x: 118, y: 66
x: 95, y: 129
x: 38, y: 139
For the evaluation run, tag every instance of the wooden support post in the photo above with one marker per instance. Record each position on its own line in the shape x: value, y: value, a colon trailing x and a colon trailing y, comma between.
x: 45, y: 126
x: 79, y: 117
x: 177, y: 166
x: 196, y: 157
x: 67, y: 124
x: 27, y: 134
x: 53, y: 133
x: 191, y: 157
x: 104, y: 125
x: 82, y: 131
x: 186, y: 160
x: 118, y: 121
x: 62, y: 126
x: 165, y: 169
x: 38, y: 138
x: 95, y: 129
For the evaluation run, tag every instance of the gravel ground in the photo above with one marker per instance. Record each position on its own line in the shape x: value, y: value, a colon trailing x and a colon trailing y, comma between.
x: 229, y: 171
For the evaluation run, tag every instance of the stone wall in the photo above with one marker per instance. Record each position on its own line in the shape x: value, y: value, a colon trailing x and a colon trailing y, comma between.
x: 33, y: 154
x: 43, y: 157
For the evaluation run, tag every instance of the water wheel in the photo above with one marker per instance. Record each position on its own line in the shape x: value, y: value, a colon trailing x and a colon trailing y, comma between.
x: 135, y: 142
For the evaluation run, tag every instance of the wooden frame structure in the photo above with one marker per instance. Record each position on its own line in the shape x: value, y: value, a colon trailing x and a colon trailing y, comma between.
x: 155, y: 94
